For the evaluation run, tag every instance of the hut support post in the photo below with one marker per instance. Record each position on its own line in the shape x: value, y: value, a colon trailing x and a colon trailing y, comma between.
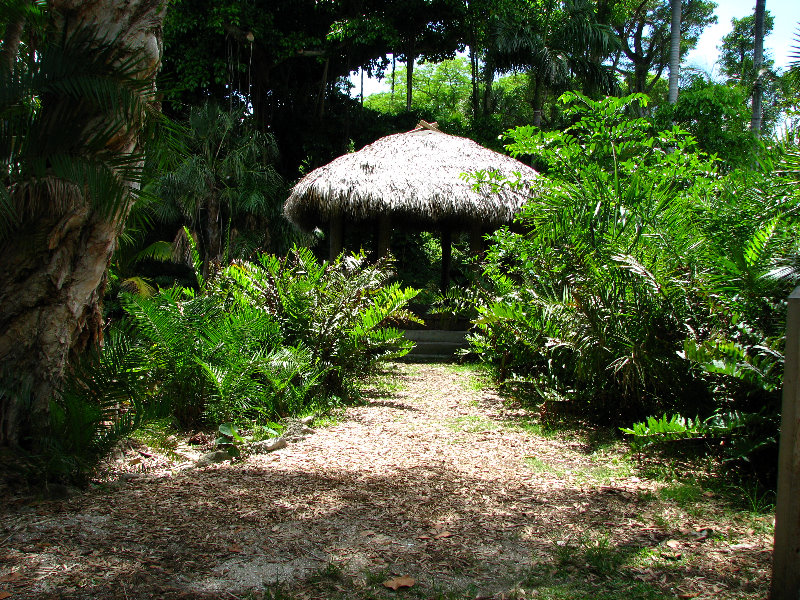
x: 447, y: 257
x: 335, y: 236
x: 786, y: 554
x: 384, y: 233
x: 476, y: 240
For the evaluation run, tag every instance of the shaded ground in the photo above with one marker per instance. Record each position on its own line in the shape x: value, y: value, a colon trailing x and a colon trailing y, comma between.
x: 430, y: 479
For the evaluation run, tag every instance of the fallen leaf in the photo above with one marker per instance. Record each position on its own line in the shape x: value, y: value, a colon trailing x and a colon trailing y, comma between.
x: 5, y: 594
x: 398, y: 582
x: 689, y: 595
x: 15, y: 576
x: 444, y: 534
x: 674, y: 544
x: 235, y: 548
x: 423, y: 537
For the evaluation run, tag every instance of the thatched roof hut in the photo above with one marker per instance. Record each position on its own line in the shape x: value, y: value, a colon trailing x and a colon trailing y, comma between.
x: 414, y: 177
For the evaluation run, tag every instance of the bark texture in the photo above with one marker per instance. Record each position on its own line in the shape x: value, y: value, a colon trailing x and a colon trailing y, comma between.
x: 53, y: 270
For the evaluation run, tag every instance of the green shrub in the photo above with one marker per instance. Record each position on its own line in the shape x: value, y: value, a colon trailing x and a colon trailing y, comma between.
x: 346, y: 312
x: 268, y: 339
x: 590, y: 303
x: 105, y: 399
x: 642, y: 282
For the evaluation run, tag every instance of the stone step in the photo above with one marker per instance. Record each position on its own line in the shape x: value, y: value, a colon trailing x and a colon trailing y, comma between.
x: 436, y: 335
x: 436, y: 348
x: 435, y: 344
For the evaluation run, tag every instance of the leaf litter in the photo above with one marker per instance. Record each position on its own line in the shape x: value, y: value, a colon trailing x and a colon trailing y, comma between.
x: 426, y: 484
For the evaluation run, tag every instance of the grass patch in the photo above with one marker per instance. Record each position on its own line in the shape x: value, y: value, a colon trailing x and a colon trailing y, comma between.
x: 534, y: 428
x: 330, y: 418
x: 606, y: 467
x: 385, y: 384
x: 682, y: 493
x: 474, y: 376
x: 537, y: 465
x: 752, y: 497
x: 472, y: 424
x: 548, y: 582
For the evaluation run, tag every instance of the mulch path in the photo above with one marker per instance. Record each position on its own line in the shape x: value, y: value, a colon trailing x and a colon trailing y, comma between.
x: 429, y: 481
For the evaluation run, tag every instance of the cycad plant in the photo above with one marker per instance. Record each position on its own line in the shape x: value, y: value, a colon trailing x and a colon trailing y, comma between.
x: 345, y: 312
x: 593, y: 299
x: 263, y: 340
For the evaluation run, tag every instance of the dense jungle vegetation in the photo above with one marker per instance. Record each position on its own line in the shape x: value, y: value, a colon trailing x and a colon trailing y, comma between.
x: 644, y: 286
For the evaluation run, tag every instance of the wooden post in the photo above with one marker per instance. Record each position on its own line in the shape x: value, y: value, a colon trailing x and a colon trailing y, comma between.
x: 384, y: 233
x: 786, y: 553
x: 447, y: 256
x: 335, y: 236
x: 476, y: 240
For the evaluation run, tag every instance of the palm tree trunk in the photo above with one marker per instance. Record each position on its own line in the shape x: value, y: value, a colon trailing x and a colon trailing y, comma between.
x: 410, y: 57
x: 11, y: 39
x: 758, y: 61
x: 674, y: 51
x: 212, y: 255
x: 53, y: 269
x: 538, y: 101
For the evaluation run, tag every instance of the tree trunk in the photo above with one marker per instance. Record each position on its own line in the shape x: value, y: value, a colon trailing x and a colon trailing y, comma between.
x: 212, y: 255
x: 323, y: 85
x: 447, y: 256
x: 473, y: 63
x: 54, y: 267
x: 488, y: 80
x: 394, y: 69
x: 538, y: 101
x: 758, y: 62
x: 410, y: 56
x: 674, y: 51
x: 11, y: 40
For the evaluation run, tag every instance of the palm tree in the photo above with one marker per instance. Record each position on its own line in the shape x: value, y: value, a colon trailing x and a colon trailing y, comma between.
x: 552, y: 44
x: 674, y: 51
x: 74, y: 115
x: 758, y: 60
x: 225, y: 188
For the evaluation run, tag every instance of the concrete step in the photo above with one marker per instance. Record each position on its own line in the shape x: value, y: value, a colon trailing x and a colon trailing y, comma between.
x: 435, y: 335
x: 437, y: 348
x: 435, y: 344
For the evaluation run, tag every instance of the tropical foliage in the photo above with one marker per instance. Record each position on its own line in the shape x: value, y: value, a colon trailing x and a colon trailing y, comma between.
x: 255, y: 342
x: 645, y: 282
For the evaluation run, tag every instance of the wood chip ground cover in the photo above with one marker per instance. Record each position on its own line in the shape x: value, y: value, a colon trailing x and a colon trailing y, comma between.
x: 430, y: 481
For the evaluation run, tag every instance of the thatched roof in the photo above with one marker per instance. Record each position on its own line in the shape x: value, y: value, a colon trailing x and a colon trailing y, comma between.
x: 414, y: 176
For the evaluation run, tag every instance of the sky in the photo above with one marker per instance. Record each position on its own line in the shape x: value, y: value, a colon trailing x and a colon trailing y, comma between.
x: 778, y: 43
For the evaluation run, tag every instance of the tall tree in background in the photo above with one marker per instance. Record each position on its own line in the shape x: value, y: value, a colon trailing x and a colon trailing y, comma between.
x: 73, y: 115
x: 226, y: 191
x: 737, y: 54
x: 674, y: 51
x: 552, y: 43
x: 737, y: 50
x: 644, y: 29
x: 758, y: 59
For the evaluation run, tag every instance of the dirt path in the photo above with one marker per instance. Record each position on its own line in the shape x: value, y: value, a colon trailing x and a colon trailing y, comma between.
x: 430, y: 480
